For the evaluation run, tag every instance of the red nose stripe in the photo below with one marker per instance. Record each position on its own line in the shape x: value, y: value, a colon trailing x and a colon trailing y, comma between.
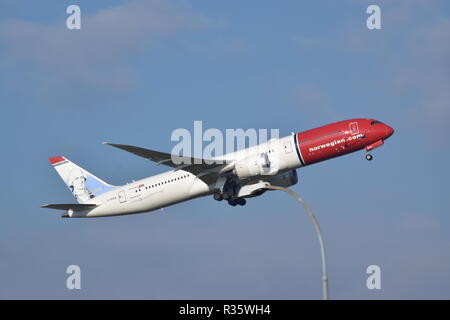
x: 56, y: 160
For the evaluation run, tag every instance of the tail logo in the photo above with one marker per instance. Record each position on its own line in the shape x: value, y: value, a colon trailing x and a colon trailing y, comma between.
x: 77, y: 184
x: 83, y: 184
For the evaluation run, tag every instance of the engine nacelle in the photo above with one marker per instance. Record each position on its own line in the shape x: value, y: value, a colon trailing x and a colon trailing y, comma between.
x: 253, y: 166
x: 285, y: 179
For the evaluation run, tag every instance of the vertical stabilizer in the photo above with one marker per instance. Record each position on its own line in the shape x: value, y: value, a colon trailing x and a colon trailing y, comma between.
x: 83, y: 184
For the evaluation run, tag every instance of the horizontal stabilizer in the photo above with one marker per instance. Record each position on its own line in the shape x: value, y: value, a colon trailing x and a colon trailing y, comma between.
x: 69, y: 206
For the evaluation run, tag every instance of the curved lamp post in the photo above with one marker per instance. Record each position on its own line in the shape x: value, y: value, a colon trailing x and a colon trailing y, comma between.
x: 319, y: 235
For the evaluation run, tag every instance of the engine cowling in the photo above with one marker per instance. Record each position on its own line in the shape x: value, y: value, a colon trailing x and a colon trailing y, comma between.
x: 285, y: 179
x: 253, y: 166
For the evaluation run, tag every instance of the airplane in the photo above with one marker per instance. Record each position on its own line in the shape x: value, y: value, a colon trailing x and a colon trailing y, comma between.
x: 233, y: 177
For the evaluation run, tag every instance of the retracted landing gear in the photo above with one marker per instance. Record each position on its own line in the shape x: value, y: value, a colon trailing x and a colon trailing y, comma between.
x: 369, y: 157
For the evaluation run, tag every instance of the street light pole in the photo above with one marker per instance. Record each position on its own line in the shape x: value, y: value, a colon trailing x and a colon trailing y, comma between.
x: 319, y: 235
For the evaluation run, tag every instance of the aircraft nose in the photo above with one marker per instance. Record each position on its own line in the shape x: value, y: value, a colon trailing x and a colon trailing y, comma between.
x: 389, y: 131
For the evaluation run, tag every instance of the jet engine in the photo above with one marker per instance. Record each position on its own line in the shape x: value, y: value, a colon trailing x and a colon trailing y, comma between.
x: 252, y: 166
x: 285, y: 179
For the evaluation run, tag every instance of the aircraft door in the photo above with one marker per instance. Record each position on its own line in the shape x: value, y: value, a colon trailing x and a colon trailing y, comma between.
x: 122, y: 197
x: 274, y: 156
x: 354, y: 128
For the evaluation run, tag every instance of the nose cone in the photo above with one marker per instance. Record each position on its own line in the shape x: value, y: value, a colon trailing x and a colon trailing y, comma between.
x: 389, y: 131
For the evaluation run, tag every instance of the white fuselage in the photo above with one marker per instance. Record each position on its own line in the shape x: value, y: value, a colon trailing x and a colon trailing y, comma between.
x: 175, y: 186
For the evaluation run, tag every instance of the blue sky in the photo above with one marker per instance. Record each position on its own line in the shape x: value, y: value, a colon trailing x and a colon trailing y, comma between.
x: 137, y: 70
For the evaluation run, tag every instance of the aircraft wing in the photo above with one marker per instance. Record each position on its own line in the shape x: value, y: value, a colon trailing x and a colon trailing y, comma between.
x: 68, y: 206
x: 196, y: 166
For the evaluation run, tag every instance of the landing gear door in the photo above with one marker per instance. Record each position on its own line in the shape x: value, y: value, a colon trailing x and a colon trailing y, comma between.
x: 122, y: 197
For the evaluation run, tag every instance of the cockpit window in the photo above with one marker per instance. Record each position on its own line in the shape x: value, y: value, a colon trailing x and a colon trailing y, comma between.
x: 375, y: 122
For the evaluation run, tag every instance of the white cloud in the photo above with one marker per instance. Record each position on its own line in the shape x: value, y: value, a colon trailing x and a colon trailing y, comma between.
x: 99, y: 57
x: 412, y: 51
